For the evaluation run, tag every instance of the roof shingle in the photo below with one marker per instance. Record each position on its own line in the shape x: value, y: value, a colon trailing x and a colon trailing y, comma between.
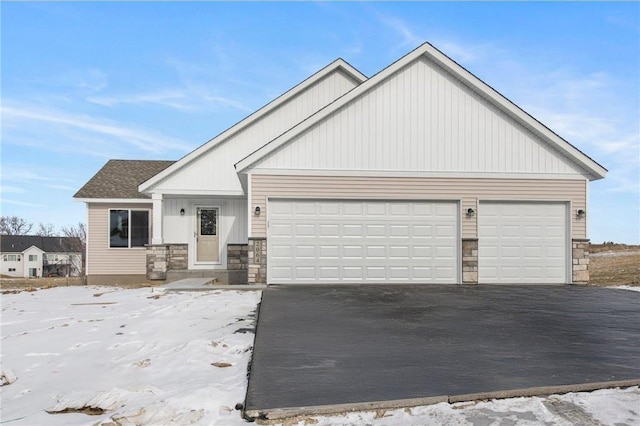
x: 120, y: 179
x: 19, y: 243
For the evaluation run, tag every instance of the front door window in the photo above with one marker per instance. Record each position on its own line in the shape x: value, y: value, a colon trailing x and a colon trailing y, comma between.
x: 208, y: 248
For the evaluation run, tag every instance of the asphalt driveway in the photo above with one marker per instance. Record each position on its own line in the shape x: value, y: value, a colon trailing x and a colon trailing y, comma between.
x: 325, y: 345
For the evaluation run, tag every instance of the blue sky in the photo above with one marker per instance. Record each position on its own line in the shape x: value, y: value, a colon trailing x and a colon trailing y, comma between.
x: 86, y: 82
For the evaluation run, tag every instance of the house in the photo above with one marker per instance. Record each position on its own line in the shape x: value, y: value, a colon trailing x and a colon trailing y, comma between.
x: 32, y: 256
x: 422, y: 173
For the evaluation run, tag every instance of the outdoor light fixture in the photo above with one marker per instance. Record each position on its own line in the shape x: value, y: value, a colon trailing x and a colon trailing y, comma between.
x: 580, y: 213
x: 181, y: 212
x: 257, y: 211
x: 470, y: 212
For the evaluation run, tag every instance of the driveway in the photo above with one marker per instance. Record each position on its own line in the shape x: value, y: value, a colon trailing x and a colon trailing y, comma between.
x: 318, y: 346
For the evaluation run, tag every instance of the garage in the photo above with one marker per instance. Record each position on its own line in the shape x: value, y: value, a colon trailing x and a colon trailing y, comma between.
x: 522, y: 242
x: 356, y: 241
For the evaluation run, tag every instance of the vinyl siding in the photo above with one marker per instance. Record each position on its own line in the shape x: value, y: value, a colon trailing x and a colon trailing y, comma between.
x: 469, y: 191
x: 107, y: 261
x: 215, y: 168
x: 420, y: 119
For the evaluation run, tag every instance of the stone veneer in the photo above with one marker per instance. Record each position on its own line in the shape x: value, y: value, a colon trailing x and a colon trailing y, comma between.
x: 470, y: 261
x: 257, y: 261
x: 237, y: 257
x: 162, y: 257
x: 580, y: 261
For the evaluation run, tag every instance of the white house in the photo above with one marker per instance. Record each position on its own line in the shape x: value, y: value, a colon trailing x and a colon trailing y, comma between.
x: 32, y: 256
x: 421, y: 173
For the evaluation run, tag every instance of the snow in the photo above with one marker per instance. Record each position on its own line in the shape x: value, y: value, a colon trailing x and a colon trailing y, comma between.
x: 143, y: 356
x: 628, y: 287
x: 149, y: 357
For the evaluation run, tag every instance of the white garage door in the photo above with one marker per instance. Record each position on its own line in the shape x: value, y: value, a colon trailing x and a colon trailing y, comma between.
x: 522, y: 243
x: 329, y: 241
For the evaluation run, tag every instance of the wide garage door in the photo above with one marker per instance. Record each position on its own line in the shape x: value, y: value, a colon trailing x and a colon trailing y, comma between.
x: 331, y: 241
x: 522, y: 243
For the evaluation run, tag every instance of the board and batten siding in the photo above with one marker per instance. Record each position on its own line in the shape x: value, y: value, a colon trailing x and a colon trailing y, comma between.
x: 233, y: 219
x: 420, y: 118
x: 215, y: 168
x: 112, y: 261
x: 468, y: 190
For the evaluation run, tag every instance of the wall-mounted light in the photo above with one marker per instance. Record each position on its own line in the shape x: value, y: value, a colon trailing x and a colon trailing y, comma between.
x: 471, y: 212
x: 257, y: 211
x: 580, y: 213
x: 181, y: 212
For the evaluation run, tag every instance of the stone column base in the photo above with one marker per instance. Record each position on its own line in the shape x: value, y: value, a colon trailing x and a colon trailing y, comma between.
x: 469, y: 261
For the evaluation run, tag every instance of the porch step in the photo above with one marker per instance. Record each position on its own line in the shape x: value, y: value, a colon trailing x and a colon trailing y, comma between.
x: 223, y: 276
x: 191, y: 284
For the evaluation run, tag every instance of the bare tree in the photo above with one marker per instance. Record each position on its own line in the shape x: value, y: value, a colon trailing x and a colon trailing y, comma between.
x: 47, y: 230
x: 14, y: 225
x: 78, y: 242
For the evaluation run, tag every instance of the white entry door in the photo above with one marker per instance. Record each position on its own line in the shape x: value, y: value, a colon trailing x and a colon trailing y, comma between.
x: 332, y: 241
x: 522, y: 243
x: 207, y: 235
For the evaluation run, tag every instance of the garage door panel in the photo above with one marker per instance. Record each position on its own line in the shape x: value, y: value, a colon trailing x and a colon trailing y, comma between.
x: 522, y: 242
x: 362, y: 241
x: 399, y: 230
x: 376, y: 209
x: 376, y: 252
x: 353, y: 209
x: 422, y: 230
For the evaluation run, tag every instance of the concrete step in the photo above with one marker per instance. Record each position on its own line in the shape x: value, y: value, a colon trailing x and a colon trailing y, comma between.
x: 222, y: 276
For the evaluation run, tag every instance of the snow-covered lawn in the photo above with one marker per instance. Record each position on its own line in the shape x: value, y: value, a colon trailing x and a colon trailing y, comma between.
x: 147, y: 357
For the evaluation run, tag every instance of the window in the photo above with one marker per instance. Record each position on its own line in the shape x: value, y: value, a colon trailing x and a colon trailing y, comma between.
x: 12, y: 258
x: 12, y: 269
x: 33, y: 258
x: 128, y: 228
x: 51, y: 257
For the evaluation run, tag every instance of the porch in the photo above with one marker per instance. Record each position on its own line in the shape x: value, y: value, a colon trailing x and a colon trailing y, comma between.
x: 170, y: 262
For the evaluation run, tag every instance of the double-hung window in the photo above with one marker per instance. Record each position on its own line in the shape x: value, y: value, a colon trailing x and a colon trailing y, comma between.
x: 128, y: 228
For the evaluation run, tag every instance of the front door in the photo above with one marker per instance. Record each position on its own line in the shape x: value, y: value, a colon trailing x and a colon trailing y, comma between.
x: 207, y: 240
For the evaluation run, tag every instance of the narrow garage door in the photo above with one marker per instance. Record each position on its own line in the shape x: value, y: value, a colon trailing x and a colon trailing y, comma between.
x: 330, y: 241
x: 522, y: 243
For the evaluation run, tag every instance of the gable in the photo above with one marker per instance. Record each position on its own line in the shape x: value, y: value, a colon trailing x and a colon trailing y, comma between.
x: 210, y: 169
x: 423, y: 114
x: 420, y: 119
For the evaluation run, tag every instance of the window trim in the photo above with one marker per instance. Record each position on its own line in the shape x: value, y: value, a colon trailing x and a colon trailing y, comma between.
x: 129, y: 210
x: 33, y: 258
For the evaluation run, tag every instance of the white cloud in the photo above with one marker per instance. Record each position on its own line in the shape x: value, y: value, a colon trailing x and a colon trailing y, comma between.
x: 408, y: 38
x: 62, y: 187
x: 142, y: 139
x: 19, y: 203
x: 6, y: 189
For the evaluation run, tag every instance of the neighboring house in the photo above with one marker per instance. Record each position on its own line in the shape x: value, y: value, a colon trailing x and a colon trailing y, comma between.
x: 422, y: 173
x: 32, y: 256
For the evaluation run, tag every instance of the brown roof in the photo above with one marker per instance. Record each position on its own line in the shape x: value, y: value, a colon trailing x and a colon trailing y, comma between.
x: 120, y: 179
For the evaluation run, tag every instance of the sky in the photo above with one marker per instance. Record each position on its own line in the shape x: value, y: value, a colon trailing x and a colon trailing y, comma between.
x: 82, y: 83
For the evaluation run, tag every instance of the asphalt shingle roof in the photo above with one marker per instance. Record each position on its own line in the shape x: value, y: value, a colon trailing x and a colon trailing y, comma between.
x: 120, y: 179
x: 19, y: 243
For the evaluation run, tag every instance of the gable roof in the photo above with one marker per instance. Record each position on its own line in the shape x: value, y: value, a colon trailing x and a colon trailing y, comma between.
x: 119, y: 179
x: 339, y: 65
x: 593, y: 169
x: 20, y: 243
